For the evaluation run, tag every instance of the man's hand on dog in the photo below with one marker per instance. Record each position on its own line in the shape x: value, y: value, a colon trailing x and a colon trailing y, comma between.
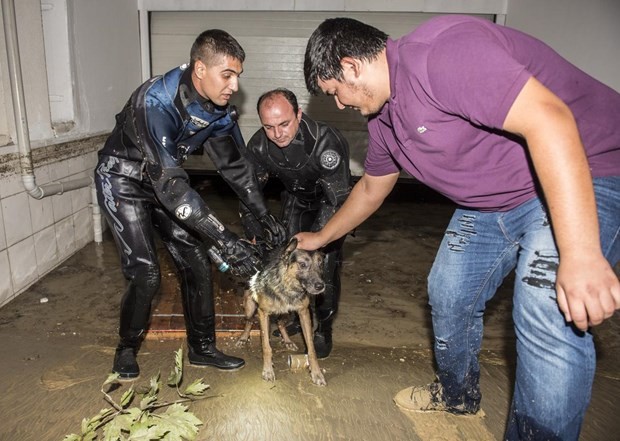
x: 309, y: 241
x: 243, y: 258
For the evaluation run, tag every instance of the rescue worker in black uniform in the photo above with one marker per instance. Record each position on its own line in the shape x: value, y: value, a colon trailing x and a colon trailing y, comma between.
x: 143, y: 189
x: 311, y: 160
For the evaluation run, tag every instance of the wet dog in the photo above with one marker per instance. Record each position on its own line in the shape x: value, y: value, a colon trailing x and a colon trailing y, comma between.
x: 289, y: 278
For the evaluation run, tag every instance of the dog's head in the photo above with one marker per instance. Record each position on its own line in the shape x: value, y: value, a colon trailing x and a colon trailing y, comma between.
x: 305, y: 266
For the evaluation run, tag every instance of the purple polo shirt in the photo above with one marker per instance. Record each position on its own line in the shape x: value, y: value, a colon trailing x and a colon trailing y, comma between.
x: 453, y: 81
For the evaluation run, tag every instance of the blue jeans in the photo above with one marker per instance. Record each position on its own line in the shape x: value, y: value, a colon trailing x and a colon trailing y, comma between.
x: 555, y: 361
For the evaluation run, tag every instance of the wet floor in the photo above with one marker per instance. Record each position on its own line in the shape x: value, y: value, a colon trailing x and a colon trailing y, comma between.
x: 57, y: 342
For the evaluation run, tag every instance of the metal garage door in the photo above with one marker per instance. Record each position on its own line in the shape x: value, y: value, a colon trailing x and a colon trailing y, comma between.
x: 274, y: 43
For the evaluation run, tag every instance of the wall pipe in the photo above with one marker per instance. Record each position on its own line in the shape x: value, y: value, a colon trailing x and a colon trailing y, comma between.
x: 21, y: 120
x: 21, y: 127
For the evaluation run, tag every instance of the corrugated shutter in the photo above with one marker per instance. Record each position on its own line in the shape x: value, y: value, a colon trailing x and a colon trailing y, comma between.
x: 274, y: 43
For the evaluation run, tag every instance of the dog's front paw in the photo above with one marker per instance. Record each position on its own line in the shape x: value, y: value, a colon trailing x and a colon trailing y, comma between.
x: 269, y: 375
x: 318, y: 378
x: 242, y: 341
x: 289, y: 345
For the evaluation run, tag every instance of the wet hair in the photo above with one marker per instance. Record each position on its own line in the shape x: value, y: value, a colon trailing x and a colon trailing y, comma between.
x: 335, y: 39
x: 287, y: 94
x: 214, y: 42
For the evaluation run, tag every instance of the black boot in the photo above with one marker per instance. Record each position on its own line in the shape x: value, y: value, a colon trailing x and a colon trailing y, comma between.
x: 206, y: 354
x: 125, y: 364
x: 198, y: 307
x: 323, y: 338
x: 293, y: 328
x: 327, y: 304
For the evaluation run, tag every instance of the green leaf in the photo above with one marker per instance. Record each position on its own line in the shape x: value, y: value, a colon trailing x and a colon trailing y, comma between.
x: 142, y: 423
x: 197, y: 388
x: 90, y: 436
x: 126, y: 397
x: 85, y: 424
x: 147, y: 401
x: 121, y: 423
x: 157, y: 431
x: 91, y: 424
x: 178, y: 358
x: 155, y: 385
x: 112, y: 430
x: 139, y: 431
x: 134, y: 413
x: 112, y: 378
x: 96, y: 420
x: 174, y: 379
x: 180, y: 423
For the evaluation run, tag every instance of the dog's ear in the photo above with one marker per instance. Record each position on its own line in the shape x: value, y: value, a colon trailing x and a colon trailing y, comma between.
x: 290, y: 247
x: 288, y: 251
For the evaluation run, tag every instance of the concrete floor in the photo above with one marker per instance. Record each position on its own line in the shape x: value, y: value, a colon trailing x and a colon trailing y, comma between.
x: 56, y: 354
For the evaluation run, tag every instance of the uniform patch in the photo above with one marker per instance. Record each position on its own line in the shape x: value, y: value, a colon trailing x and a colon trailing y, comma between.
x: 198, y: 122
x: 330, y: 159
x: 183, y: 211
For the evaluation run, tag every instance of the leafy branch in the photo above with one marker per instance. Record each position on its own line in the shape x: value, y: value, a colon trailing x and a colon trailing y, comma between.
x: 146, y: 421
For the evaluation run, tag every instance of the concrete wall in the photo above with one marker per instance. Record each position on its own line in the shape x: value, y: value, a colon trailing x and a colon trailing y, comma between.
x: 104, y: 55
x: 587, y: 33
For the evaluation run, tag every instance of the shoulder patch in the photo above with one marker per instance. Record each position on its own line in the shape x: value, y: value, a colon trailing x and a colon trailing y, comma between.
x: 330, y: 159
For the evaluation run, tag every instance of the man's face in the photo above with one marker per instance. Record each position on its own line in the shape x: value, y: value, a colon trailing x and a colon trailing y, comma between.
x: 219, y: 80
x: 279, y: 120
x: 364, y: 85
x: 355, y: 95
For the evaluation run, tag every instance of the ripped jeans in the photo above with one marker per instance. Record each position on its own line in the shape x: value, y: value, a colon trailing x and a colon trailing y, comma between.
x: 555, y: 361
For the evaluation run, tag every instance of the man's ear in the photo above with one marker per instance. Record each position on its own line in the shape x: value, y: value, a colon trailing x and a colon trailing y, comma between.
x: 351, y: 67
x: 199, y: 69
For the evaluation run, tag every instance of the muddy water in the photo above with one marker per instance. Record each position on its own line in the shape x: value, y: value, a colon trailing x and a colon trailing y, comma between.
x: 55, y: 355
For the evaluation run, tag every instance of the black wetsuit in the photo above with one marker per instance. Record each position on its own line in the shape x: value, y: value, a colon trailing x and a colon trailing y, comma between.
x: 142, y: 188
x: 314, y: 170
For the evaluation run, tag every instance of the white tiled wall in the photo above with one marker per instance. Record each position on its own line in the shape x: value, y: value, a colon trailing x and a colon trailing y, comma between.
x: 38, y: 235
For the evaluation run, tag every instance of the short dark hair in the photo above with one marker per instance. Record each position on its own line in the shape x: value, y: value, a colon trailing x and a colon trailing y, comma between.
x: 335, y: 39
x: 213, y: 42
x: 287, y: 94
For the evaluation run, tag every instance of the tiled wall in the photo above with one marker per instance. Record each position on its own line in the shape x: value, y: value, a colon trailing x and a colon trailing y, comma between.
x: 37, y: 235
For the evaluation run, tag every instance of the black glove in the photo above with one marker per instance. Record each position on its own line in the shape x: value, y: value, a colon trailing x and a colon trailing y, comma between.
x: 243, y: 257
x: 274, y: 232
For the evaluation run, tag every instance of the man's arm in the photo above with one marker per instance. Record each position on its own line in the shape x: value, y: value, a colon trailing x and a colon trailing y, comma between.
x: 588, y: 291
x: 239, y: 174
x: 365, y: 198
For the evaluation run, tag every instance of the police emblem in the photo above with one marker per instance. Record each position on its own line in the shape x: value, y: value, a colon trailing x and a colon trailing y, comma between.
x: 330, y: 159
x: 183, y: 211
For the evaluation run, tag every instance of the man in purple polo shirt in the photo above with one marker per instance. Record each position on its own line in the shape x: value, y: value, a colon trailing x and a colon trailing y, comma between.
x: 528, y: 146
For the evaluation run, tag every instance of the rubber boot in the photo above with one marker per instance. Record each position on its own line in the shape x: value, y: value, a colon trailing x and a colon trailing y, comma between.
x: 125, y: 363
x: 323, y: 338
x: 327, y: 308
x: 293, y: 328
x: 199, y: 309
x: 206, y: 354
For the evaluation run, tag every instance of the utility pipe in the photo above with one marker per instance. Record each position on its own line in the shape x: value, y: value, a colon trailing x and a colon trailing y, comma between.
x: 21, y: 120
x: 97, y: 219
